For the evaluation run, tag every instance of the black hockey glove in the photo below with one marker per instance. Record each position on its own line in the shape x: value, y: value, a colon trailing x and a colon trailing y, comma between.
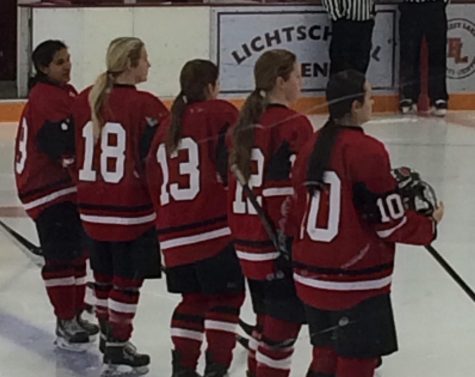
x: 417, y: 194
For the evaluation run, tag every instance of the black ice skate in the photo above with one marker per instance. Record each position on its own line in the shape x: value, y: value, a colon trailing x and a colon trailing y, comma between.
x: 89, y: 327
x: 71, y: 336
x: 122, y: 359
x: 104, y: 331
x: 178, y: 370
x: 213, y: 369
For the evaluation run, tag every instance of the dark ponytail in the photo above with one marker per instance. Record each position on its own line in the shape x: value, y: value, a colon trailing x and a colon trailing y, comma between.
x: 174, y: 133
x: 243, y: 134
x: 195, y: 77
x: 270, y: 65
x: 342, y: 90
x: 321, y: 155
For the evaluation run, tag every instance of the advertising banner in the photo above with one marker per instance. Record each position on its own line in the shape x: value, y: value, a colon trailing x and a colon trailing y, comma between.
x: 241, y: 34
x: 461, y: 48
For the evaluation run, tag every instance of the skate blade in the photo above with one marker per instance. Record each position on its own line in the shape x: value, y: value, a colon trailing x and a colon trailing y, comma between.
x: 123, y: 371
x: 72, y: 347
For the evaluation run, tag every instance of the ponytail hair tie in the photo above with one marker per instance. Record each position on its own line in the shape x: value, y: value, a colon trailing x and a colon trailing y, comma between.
x: 185, y: 100
x: 262, y: 93
x: 110, y: 75
x: 113, y: 74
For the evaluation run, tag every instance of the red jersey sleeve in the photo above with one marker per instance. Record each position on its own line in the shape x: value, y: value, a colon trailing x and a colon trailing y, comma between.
x: 377, y: 197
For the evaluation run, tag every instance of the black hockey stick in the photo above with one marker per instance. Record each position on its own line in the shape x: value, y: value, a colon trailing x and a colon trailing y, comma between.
x: 32, y: 251
x: 451, y: 272
x: 243, y: 341
x: 265, y: 220
x: 248, y: 329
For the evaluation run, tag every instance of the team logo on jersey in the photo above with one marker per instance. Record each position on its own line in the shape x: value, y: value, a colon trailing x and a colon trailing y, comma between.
x: 460, y: 48
x: 151, y: 122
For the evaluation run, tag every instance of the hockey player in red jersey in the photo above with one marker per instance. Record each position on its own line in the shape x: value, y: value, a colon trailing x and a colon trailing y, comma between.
x: 265, y: 141
x: 115, y: 124
x: 350, y: 216
x: 45, y: 139
x: 187, y: 179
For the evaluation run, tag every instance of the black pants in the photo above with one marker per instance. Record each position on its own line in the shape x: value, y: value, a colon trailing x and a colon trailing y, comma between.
x: 366, y: 330
x: 350, y: 47
x: 132, y: 260
x: 61, y: 235
x: 417, y: 21
x: 220, y: 274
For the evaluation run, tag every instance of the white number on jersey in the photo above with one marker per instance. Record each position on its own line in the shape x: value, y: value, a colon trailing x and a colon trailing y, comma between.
x: 391, y: 207
x: 255, y: 180
x: 21, y: 161
x: 330, y: 232
x: 189, y: 168
x: 112, y: 157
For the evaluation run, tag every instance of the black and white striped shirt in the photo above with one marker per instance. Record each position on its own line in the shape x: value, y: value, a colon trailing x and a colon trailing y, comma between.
x: 354, y: 10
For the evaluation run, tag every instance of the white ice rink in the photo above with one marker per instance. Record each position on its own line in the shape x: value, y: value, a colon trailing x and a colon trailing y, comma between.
x: 435, y: 319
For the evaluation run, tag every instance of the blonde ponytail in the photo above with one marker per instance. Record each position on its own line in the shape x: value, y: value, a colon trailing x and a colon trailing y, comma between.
x: 97, y: 98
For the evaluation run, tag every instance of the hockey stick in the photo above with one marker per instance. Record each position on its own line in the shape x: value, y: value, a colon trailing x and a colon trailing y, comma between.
x: 32, y: 251
x: 243, y: 341
x: 451, y: 272
x: 266, y: 221
x: 248, y: 329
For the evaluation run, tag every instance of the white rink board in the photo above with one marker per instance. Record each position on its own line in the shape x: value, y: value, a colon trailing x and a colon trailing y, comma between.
x: 88, y: 31
x: 174, y: 35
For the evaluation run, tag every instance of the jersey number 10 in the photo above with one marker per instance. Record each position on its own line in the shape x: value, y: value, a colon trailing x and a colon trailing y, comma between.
x: 390, y: 208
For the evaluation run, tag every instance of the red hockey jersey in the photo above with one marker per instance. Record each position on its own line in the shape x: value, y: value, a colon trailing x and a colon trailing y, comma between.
x: 41, y: 180
x: 187, y: 188
x: 278, y: 137
x: 344, y: 252
x: 113, y: 200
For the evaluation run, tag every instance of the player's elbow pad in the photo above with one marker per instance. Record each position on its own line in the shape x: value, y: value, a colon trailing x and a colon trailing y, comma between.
x: 56, y: 139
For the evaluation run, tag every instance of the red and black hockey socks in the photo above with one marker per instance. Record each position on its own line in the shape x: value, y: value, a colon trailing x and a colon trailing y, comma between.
x: 348, y: 367
x: 116, y: 303
x: 323, y: 362
x: 221, y: 322
x: 122, y: 304
x: 253, y: 344
x: 187, y: 327
x: 102, y: 288
x: 64, y: 282
x: 274, y: 352
x: 214, y: 315
x: 326, y: 363
x: 80, y: 279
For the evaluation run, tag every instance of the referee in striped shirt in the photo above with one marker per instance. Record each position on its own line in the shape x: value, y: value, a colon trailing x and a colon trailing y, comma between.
x: 352, y: 30
x: 419, y: 19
